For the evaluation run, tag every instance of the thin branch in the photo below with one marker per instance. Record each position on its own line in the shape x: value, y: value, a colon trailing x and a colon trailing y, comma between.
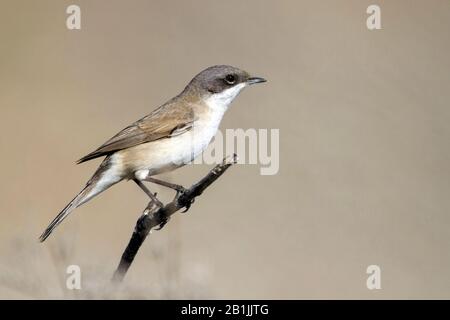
x: 154, y: 216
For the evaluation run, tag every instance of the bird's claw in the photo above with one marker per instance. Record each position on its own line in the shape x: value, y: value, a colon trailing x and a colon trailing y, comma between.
x: 181, y: 190
x: 162, y: 224
x: 188, y: 206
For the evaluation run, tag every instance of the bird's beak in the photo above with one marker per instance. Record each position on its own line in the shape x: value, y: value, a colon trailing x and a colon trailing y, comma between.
x: 254, y: 80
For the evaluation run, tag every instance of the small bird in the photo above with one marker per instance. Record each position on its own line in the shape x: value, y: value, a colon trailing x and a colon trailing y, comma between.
x: 166, y: 139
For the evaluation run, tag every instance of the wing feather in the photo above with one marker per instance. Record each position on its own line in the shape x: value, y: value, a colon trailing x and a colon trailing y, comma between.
x: 166, y: 121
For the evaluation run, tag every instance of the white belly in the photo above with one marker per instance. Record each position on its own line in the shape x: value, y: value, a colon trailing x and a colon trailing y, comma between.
x: 167, y: 154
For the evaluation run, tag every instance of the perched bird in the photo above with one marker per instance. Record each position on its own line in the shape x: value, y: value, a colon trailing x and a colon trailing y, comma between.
x: 168, y: 138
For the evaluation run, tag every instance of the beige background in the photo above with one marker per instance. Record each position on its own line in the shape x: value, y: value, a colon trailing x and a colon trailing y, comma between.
x: 364, y: 140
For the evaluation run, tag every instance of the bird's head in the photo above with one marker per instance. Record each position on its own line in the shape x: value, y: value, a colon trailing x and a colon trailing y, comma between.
x: 221, y: 84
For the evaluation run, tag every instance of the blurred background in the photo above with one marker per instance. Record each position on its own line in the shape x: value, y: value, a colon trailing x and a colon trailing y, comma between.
x: 364, y: 148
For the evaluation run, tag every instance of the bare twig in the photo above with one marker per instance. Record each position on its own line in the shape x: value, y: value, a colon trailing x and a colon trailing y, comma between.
x: 154, y: 216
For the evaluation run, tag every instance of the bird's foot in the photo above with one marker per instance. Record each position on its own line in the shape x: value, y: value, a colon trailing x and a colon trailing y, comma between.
x: 188, y: 206
x: 164, y: 221
x: 180, y: 190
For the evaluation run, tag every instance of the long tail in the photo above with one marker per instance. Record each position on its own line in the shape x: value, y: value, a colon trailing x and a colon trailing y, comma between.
x: 99, y: 182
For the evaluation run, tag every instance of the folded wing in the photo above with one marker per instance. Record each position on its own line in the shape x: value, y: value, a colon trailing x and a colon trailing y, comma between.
x: 166, y: 121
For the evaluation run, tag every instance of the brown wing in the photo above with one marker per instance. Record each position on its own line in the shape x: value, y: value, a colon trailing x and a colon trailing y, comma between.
x: 166, y: 121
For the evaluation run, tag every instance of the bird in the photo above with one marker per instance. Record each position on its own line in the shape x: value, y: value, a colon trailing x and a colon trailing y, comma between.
x: 169, y: 137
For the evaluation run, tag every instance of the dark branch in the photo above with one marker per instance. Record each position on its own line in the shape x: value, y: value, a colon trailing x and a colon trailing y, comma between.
x: 154, y: 216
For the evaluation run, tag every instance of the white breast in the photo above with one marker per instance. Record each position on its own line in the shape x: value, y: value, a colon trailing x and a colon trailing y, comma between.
x: 170, y: 153
x: 167, y: 154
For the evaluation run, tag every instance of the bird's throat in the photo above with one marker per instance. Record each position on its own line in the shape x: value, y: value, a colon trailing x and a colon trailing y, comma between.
x: 221, y: 101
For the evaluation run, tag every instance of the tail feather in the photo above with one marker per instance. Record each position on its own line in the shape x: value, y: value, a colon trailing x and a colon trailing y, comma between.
x: 77, y: 201
x: 98, y: 183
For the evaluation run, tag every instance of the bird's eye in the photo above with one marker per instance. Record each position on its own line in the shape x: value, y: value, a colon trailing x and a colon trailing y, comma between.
x: 230, y: 79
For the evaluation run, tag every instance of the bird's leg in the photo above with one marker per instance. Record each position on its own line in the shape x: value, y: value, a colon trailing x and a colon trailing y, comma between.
x: 149, y: 193
x: 170, y: 185
x: 178, y: 188
x: 155, y: 200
